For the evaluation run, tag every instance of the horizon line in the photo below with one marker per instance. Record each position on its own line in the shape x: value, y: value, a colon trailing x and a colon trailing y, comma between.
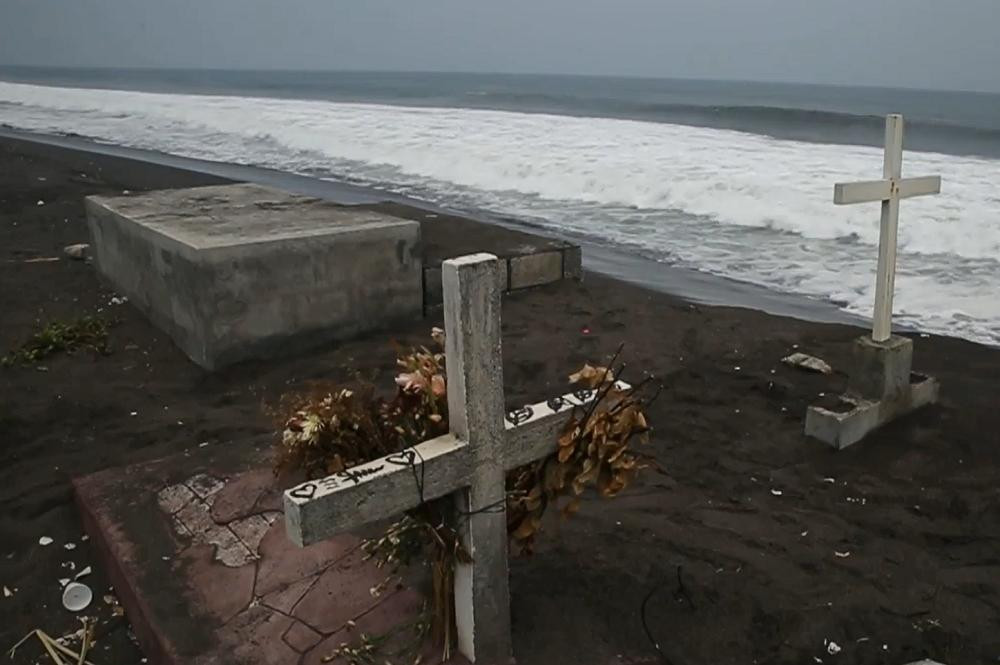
x: 639, y: 77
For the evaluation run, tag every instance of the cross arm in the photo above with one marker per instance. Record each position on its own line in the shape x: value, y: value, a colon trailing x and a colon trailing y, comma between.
x: 379, y: 489
x: 881, y: 190
x: 922, y: 186
x: 845, y: 193
x: 535, y: 432
x: 385, y: 487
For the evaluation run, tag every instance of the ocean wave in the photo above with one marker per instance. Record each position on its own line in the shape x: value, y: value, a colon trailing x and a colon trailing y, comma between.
x: 741, y: 204
x: 820, y: 121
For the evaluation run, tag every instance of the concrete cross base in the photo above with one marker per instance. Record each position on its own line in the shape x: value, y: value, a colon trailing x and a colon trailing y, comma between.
x: 197, y: 552
x: 238, y: 271
x: 881, y: 369
x: 881, y: 388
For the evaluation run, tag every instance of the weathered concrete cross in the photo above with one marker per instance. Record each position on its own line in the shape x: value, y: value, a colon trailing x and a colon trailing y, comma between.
x: 470, y: 462
x: 889, y: 191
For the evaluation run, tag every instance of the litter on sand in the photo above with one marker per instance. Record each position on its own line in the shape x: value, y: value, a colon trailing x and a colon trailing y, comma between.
x: 59, y: 653
x: 77, y: 251
x: 77, y: 596
x: 38, y: 259
x: 44, y: 541
x: 807, y: 362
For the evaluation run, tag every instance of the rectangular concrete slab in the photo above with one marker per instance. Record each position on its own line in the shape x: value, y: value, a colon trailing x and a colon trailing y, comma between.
x: 522, y: 266
x: 196, y: 549
x: 238, y: 271
x: 535, y: 269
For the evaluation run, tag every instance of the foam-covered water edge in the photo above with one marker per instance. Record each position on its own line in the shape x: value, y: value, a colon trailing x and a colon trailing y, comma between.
x: 743, y: 206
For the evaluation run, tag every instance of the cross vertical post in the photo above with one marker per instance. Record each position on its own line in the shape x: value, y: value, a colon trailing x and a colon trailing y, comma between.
x: 888, y: 191
x: 471, y: 287
x: 886, y: 276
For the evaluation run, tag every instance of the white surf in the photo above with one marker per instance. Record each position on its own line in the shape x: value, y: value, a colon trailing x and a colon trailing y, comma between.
x: 736, y: 204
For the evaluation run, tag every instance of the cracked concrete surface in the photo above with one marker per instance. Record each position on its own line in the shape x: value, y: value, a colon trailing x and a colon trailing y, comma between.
x: 252, y: 595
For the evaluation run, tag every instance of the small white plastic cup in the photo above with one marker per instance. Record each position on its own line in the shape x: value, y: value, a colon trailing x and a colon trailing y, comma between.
x: 77, y: 597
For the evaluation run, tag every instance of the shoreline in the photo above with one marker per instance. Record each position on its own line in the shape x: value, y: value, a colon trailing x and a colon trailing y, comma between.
x: 686, y: 283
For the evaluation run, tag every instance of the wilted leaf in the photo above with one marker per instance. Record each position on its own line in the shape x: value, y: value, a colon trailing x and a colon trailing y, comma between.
x: 335, y: 465
x: 412, y: 381
x: 527, y: 527
x: 569, y: 436
x: 591, y: 376
x: 572, y: 507
x: 555, y: 477
x: 565, y: 453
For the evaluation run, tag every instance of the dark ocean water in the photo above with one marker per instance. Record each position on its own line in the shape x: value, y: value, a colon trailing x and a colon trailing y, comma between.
x: 940, y: 121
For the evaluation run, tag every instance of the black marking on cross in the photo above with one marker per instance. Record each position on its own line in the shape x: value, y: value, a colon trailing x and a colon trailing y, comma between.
x: 306, y: 491
x: 556, y: 404
x: 583, y: 394
x: 330, y: 483
x: 403, y: 458
x: 357, y: 475
x: 518, y: 416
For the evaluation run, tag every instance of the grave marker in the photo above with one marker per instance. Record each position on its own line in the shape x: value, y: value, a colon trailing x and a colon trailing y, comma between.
x: 889, y: 191
x: 469, y: 463
x: 881, y: 386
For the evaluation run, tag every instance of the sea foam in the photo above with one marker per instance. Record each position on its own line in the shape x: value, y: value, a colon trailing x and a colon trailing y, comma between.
x: 742, y: 205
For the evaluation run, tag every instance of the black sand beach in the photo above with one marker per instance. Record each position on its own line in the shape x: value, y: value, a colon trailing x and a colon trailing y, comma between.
x: 758, y: 545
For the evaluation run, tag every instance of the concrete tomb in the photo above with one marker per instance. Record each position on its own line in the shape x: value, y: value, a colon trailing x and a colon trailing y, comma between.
x: 882, y: 385
x: 238, y: 271
x: 469, y: 463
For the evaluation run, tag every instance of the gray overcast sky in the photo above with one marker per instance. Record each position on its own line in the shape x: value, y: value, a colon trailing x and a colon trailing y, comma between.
x: 911, y: 43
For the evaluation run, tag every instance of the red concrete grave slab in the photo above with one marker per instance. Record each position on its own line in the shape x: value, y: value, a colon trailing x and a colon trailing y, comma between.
x: 196, y: 548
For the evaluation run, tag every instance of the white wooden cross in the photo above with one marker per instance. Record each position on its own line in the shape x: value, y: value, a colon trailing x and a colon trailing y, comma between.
x: 469, y: 463
x: 889, y: 191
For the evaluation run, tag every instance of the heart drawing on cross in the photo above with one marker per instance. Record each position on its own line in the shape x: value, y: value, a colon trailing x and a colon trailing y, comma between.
x: 306, y: 491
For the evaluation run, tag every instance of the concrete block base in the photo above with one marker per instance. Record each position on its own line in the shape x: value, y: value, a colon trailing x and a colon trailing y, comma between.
x: 881, y: 387
x: 841, y: 428
x: 881, y: 369
x: 238, y: 271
